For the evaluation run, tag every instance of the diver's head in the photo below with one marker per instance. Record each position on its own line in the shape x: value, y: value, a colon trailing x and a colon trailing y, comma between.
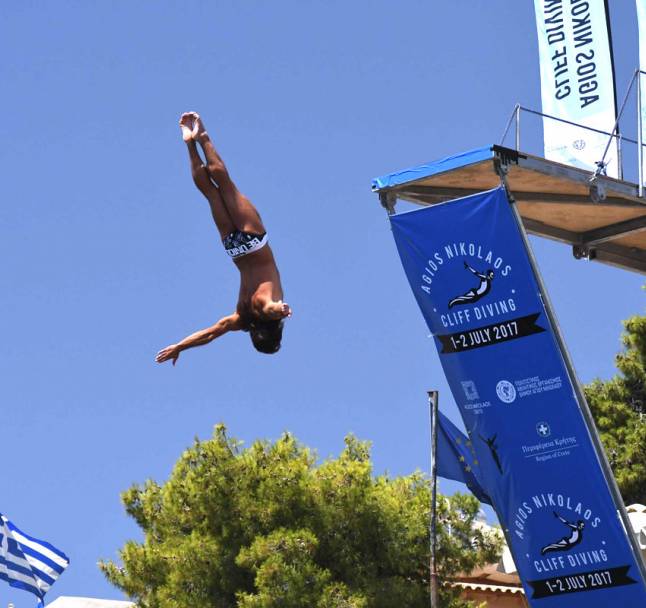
x: 266, y: 335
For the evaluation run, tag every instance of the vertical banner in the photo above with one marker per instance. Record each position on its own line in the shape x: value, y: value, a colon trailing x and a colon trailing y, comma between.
x: 470, y: 272
x: 641, y: 22
x: 577, y: 81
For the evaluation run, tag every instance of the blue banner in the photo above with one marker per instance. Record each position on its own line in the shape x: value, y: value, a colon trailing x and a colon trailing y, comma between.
x: 470, y: 272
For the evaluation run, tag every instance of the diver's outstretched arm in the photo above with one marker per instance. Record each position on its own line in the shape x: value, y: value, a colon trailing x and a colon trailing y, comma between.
x: 474, y: 271
x: 565, y: 521
x: 199, y: 338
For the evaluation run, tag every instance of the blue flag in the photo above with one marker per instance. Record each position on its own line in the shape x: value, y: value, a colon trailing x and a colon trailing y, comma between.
x: 469, y: 269
x: 28, y: 563
x: 457, y: 458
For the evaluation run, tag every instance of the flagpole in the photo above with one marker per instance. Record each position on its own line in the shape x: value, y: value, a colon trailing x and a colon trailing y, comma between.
x: 433, y: 398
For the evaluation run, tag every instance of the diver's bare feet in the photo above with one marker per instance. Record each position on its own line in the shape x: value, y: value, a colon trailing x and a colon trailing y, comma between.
x: 199, y: 130
x: 191, y: 126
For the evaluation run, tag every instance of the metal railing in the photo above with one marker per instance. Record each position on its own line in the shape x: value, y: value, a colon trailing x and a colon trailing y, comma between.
x: 615, y: 134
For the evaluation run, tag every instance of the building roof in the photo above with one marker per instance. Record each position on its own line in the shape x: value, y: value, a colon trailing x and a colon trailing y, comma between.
x: 637, y: 516
x: 490, y: 578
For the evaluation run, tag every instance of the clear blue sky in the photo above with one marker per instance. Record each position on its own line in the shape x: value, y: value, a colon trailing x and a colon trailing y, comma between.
x: 109, y: 253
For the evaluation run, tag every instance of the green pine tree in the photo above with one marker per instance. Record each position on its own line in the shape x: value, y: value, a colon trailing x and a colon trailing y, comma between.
x: 268, y: 527
x: 619, y: 410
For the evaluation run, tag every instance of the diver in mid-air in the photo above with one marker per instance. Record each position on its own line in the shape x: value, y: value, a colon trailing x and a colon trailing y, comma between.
x: 473, y: 295
x: 260, y: 309
x: 567, y: 542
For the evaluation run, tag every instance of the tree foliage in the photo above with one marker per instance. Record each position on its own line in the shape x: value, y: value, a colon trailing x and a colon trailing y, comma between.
x: 619, y: 409
x: 267, y: 527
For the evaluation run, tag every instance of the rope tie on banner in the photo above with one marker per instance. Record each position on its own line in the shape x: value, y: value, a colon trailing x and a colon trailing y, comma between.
x: 388, y: 201
x: 502, y: 169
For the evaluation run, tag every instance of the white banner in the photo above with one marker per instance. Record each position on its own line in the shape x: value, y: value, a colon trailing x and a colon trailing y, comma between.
x: 641, y: 21
x: 577, y: 81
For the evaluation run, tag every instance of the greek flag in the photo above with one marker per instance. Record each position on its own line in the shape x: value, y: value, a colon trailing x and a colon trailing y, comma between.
x: 28, y: 563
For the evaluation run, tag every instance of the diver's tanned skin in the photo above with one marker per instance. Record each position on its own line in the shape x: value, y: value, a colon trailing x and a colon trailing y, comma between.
x: 260, y: 309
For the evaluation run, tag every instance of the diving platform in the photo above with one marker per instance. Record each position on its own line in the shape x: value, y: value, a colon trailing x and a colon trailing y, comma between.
x: 601, y: 218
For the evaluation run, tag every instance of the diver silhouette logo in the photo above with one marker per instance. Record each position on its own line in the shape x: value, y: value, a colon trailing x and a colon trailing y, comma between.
x: 567, y: 542
x: 474, y: 294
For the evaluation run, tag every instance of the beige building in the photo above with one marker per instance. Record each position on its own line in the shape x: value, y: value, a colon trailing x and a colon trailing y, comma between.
x: 497, y: 589
x: 87, y: 602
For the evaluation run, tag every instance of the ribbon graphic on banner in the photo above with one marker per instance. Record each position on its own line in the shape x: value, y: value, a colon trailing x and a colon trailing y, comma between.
x: 470, y: 273
x: 490, y: 334
x: 589, y: 581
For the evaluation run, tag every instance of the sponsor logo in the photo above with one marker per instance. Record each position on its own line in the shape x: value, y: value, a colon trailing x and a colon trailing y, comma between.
x: 535, y: 385
x: 473, y: 397
x: 543, y: 429
x: 506, y: 391
x: 578, y: 144
x: 470, y: 390
x: 550, y: 447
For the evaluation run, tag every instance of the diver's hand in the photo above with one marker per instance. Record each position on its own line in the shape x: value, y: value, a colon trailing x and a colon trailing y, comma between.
x: 170, y: 353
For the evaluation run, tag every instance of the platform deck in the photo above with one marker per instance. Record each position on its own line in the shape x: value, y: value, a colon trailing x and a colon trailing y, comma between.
x: 554, y: 200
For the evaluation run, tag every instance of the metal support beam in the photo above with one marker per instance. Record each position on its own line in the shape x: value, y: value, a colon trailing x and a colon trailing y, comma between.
x: 613, y: 231
x: 552, y: 232
x: 605, y: 251
x: 437, y: 194
x: 628, y: 258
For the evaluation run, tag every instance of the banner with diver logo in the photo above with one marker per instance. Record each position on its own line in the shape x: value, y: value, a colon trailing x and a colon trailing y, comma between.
x: 577, y: 81
x: 470, y: 272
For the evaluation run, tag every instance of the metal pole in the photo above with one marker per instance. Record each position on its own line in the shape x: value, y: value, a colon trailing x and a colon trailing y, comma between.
x: 517, y: 127
x: 585, y: 410
x: 508, y: 125
x: 640, y: 150
x: 433, y: 408
x: 615, y: 129
x: 620, y: 157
